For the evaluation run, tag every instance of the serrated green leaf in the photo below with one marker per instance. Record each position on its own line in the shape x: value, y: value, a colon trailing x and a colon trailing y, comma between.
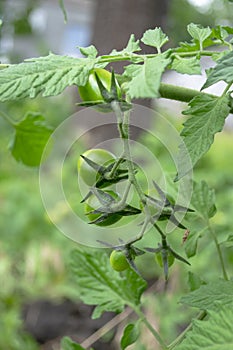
x: 199, y: 33
x: 89, y: 51
x: 131, y: 334
x: 132, y: 46
x: 205, y: 297
x: 100, y: 285
x: 31, y: 135
x: 155, y: 37
x: 203, y: 200
x: 68, y: 344
x: 216, y: 333
x: 186, y: 65
x: 208, y: 117
x: 146, y: 78
x: 194, y: 281
x: 191, y: 244
x: 222, y: 71
x: 48, y: 75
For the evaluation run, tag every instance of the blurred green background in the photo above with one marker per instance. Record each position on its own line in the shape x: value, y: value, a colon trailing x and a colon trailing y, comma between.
x: 34, y: 255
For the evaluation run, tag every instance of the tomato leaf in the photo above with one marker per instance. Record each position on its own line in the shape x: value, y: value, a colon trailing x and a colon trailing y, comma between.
x: 222, y: 71
x: 191, y: 244
x: 131, y: 334
x: 198, y: 33
x: 146, y: 78
x: 99, y: 285
x: 205, y: 297
x: 68, y: 344
x: 208, y: 117
x: 212, y: 334
x: 186, y: 65
x: 31, y: 135
x: 48, y: 75
x: 89, y: 51
x: 194, y: 281
x: 203, y: 200
x: 155, y: 37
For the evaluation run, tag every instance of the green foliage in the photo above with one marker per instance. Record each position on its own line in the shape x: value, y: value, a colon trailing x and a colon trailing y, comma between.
x: 100, y: 285
x: 31, y: 133
x: 212, y: 334
x: 206, y: 296
x: 131, y: 334
x: 208, y: 117
x: 68, y: 344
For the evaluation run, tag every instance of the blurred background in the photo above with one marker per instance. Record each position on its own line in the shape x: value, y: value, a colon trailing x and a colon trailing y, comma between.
x: 38, y: 300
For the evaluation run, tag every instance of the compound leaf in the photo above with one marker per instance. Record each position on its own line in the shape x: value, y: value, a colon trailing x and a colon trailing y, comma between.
x: 100, y: 285
x: 208, y: 117
x: 48, y: 75
x: 213, y: 334
x: 206, y: 296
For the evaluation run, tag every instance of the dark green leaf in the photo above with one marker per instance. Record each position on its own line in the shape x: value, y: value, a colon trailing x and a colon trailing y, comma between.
x: 203, y: 200
x: 213, y: 334
x: 205, y: 297
x: 68, y: 344
x: 194, y: 281
x: 131, y: 334
x: 208, y: 117
x: 100, y: 285
x: 31, y: 135
x: 191, y: 244
x: 222, y: 71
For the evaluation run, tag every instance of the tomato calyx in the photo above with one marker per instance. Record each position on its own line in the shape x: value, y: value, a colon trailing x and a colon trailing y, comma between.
x: 109, y: 207
x: 165, y: 256
x: 166, y: 207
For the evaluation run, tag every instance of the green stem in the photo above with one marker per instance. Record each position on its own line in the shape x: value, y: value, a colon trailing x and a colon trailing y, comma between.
x: 179, y: 93
x: 219, y: 251
x: 151, y: 329
x: 7, y: 119
x: 179, y: 339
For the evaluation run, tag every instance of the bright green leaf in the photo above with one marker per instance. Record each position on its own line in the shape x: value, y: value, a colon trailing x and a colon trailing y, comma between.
x: 68, y: 344
x: 31, y: 135
x: 48, y: 75
x: 205, y: 297
x: 100, y: 285
x: 187, y: 65
x: 131, y: 334
x: 208, y: 118
x: 199, y: 33
x: 155, y: 37
x: 203, y: 200
x: 222, y: 71
x: 146, y: 78
x: 213, y: 334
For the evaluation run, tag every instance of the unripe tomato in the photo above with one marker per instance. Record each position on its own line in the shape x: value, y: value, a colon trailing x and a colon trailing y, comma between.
x: 91, y: 92
x: 159, y: 259
x: 118, y: 261
x: 93, y: 203
x: 99, y: 156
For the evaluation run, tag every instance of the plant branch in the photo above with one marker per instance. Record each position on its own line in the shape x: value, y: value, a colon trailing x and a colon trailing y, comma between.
x: 219, y: 251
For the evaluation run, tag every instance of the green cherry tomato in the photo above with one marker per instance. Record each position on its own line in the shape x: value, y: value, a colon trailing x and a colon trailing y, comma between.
x: 99, y: 156
x: 93, y: 203
x: 91, y: 92
x: 159, y: 259
x: 118, y: 261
